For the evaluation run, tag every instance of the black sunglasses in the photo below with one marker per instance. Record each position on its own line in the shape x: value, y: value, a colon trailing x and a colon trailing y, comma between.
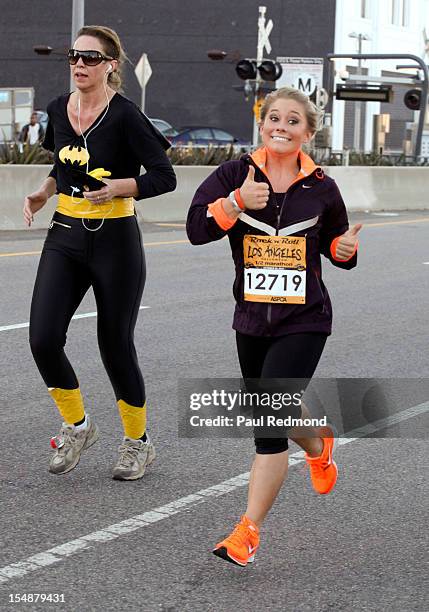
x: 89, y: 58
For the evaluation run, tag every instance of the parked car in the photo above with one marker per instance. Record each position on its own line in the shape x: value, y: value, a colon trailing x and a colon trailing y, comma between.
x: 205, y: 136
x: 164, y: 127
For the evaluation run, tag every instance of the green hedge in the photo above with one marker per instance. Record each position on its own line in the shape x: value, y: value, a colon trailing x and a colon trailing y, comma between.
x: 24, y: 154
x: 202, y: 156
x: 213, y: 156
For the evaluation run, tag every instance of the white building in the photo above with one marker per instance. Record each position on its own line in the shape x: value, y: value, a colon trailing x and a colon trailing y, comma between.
x: 392, y: 26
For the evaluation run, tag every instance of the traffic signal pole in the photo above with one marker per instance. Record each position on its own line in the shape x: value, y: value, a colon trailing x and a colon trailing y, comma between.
x: 425, y: 83
x: 259, y: 57
x: 264, y: 31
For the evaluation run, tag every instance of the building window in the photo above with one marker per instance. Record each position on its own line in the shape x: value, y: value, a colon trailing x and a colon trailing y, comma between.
x: 399, y: 13
x: 405, y: 13
x: 392, y: 11
x: 364, y: 9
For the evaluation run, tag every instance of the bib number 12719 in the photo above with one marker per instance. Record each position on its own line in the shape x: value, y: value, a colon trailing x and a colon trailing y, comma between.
x: 281, y: 286
x: 274, y: 269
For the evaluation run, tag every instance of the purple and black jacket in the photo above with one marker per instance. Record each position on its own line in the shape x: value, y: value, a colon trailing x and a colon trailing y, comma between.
x: 312, y: 207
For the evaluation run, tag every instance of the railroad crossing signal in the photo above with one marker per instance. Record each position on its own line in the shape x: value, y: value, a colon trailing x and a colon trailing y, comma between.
x: 264, y: 33
x: 247, y: 69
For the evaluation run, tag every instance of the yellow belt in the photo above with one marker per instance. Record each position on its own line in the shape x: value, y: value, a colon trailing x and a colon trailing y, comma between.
x: 83, y: 209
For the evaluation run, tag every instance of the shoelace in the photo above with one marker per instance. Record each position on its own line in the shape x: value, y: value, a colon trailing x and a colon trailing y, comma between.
x: 128, y: 454
x: 240, y: 534
x: 319, y: 466
x: 68, y: 440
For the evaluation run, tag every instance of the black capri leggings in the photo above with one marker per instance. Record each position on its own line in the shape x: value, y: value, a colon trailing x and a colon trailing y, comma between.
x: 111, y: 260
x: 291, y: 356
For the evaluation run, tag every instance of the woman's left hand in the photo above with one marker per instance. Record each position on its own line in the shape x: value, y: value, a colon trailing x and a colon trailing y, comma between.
x: 104, y: 194
x: 347, y: 243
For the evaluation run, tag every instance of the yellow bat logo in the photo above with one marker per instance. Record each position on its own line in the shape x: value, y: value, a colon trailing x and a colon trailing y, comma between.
x: 74, y: 155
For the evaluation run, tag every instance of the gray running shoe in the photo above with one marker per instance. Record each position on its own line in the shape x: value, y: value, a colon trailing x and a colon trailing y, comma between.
x: 134, y: 457
x: 69, y: 445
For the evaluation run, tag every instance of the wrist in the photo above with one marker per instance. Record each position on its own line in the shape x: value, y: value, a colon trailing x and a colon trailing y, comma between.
x: 115, y: 187
x: 124, y: 188
x: 239, y: 199
x: 236, y: 201
x: 49, y: 187
x: 45, y: 193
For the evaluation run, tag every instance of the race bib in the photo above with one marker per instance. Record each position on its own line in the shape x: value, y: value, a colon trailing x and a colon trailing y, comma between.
x: 274, y: 269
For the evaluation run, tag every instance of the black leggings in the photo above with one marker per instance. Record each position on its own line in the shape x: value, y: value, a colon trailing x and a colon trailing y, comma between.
x: 111, y: 260
x: 291, y: 356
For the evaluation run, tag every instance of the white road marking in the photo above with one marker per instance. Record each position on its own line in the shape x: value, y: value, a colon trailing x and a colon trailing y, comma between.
x: 84, y: 315
x: 385, y: 214
x: 426, y: 263
x: 112, y: 532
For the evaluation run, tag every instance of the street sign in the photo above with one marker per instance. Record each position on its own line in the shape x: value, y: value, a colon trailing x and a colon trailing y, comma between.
x: 143, y: 71
x: 370, y: 93
x: 304, y: 73
x: 304, y: 82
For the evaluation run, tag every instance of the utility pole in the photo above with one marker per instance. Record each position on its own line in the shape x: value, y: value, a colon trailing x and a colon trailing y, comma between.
x: 358, y: 105
x: 78, y: 21
x: 263, y: 33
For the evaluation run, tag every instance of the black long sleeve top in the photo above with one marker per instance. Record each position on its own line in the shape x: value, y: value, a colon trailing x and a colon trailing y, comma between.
x: 123, y: 141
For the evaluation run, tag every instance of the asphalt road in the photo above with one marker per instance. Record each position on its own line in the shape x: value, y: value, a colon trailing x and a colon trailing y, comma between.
x: 360, y: 548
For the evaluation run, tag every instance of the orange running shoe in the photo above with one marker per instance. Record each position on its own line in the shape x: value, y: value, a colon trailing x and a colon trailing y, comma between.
x: 240, y: 547
x: 323, y: 469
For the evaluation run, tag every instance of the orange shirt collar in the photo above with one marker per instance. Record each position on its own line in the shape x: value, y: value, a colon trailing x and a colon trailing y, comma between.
x: 307, y: 165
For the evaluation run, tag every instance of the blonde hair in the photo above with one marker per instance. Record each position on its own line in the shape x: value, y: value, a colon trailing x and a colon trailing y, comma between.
x: 313, y: 114
x: 112, y: 47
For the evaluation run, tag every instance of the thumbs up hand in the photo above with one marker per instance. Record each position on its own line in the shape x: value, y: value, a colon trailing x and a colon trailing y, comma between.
x: 347, y: 243
x: 254, y: 195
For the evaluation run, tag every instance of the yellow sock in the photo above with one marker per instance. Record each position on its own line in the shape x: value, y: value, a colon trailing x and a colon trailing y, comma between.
x: 70, y: 404
x: 133, y: 419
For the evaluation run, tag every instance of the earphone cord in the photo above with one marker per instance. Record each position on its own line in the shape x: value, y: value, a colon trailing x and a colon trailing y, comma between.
x: 85, y: 138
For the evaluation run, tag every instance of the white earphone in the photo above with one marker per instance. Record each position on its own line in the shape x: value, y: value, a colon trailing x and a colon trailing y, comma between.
x: 85, y: 138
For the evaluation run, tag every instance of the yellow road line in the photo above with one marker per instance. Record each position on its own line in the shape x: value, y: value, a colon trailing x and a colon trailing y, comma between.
x: 394, y: 222
x: 22, y: 253
x: 171, y: 224
x: 166, y: 242
x: 146, y: 244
